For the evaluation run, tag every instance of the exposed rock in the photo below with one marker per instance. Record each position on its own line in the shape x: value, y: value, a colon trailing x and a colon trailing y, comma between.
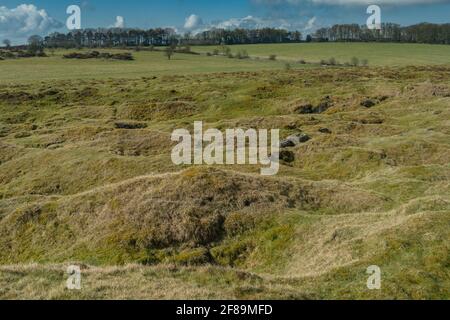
x: 303, y: 137
x: 295, y: 140
x: 287, y: 156
x: 305, y: 109
x: 325, y: 130
x: 324, y: 105
x: 291, y: 126
x: 369, y: 103
x: 308, y: 108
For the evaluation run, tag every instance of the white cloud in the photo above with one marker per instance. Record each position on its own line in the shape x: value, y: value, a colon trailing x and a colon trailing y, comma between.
x: 120, y: 22
x: 25, y: 20
x: 248, y: 22
x: 196, y: 25
x: 193, y: 22
x: 311, y: 24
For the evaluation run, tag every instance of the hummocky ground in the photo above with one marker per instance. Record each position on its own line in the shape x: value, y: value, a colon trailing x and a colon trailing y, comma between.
x: 86, y: 178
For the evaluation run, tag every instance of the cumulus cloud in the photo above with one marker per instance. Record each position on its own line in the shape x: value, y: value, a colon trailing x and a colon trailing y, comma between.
x: 248, y: 22
x: 25, y: 20
x: 196, y: 25
x: 193, y: 22
x: 251, y: 22
x: 120, y: 22
x: 311, y: 24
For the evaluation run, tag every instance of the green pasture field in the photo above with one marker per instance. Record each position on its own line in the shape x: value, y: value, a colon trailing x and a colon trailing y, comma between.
x: 156, y: 63
x: 146, y: 64
x: 377, y: 54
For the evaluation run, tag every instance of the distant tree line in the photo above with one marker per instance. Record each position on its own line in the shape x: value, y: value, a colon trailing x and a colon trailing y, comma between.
x: 390, y: 32
x: 115, y: 37
x: 34, y: 48
x: 243, y: 36
x: 118, y: 37
x: 164, y: 37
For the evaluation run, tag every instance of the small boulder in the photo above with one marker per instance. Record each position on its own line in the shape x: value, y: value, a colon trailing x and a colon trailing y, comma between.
x: 323, y: 106
x: 325, y: 130
x: 368, y: 103
x: 305, y: 109
x: 287, y: 156
x: 303, y: 137
x: 294, y: 140
x: 292, y: 126
x: 383, y: 98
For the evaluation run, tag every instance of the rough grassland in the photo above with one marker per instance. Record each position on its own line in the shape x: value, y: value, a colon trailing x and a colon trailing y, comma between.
x: 86, y: 178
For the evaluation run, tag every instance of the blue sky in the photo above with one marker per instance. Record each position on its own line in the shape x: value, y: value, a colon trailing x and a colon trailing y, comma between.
x: 19, y: 19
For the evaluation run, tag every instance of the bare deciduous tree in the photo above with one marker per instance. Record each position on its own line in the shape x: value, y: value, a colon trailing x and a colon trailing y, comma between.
x: 7, y: 43
x: 169, y: 52
x: 36, y: 45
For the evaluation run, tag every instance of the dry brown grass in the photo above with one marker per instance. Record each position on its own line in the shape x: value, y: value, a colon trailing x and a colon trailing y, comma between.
x: 372, y: 189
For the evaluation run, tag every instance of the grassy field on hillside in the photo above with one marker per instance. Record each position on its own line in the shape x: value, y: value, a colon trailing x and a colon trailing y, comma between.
x: 146, y: 64
x: 86, y: 178
x: 378, y: 54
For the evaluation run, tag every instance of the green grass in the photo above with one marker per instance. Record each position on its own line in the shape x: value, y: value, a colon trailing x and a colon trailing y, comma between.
x: 378, y: 54
x: 75, y: 188
x: 146, y: 64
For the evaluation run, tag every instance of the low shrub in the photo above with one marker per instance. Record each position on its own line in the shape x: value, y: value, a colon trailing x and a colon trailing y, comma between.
x: 130, y: 125
x: 192, y: 257
x: 232, y: 254
x: 97, y: 55
x: 238, y: 223
x: 354, y: 62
